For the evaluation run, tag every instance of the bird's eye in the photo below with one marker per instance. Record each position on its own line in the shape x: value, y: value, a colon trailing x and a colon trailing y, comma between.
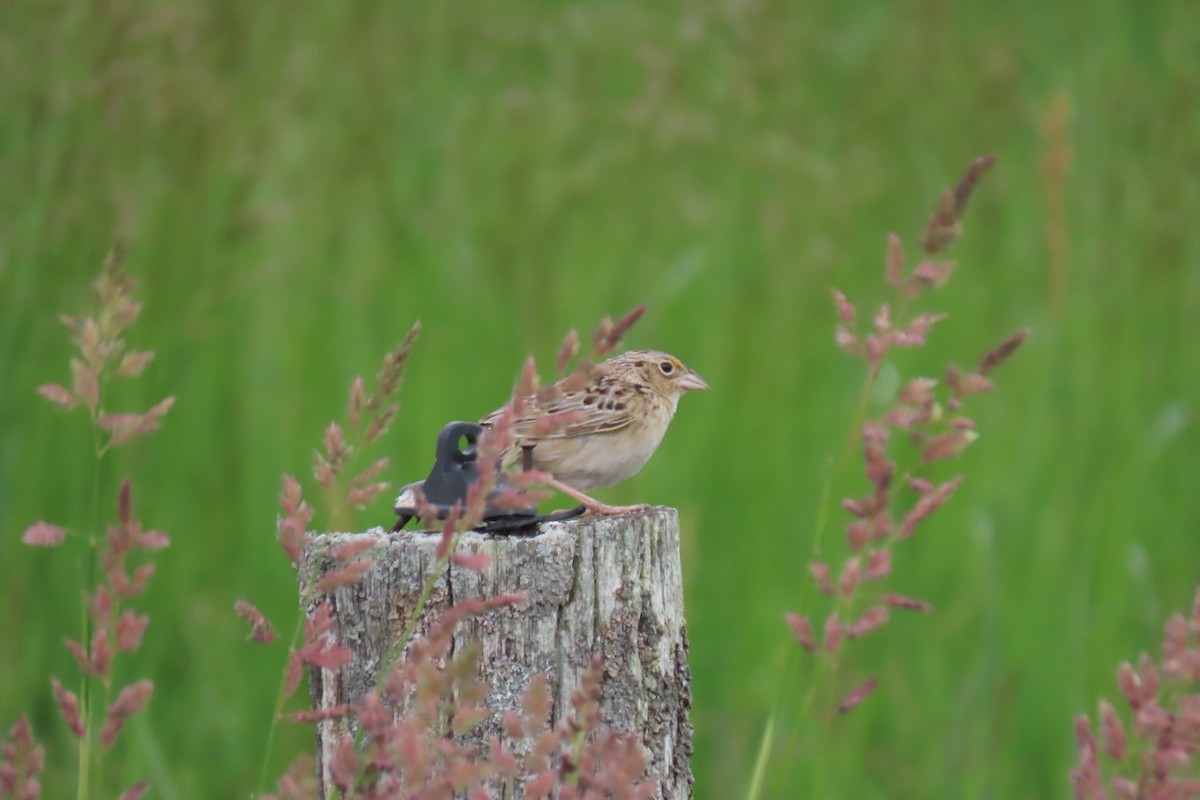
x: 666, y: 367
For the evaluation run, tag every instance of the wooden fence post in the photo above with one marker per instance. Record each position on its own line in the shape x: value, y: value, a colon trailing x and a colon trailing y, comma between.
x: 607, y: 586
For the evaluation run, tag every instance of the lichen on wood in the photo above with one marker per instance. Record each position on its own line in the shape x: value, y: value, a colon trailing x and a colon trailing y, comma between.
x: 606, y: 586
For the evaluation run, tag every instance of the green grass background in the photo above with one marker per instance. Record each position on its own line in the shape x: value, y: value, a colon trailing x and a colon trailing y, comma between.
x: 299, y: 182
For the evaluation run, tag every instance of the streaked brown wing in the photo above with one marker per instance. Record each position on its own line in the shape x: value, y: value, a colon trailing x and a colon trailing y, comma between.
x: 601, y: 415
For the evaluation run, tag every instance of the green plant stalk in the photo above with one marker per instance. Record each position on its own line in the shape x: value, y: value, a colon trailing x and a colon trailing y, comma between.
x: 763, y: 757
x: 83, y: 786
x: 281, y: 697
x: 106, y: 686
x: 820, y: 525
x: 856, y: 421
x: 827, y: 669
x: 339, y: 509
x: 277, y: 712
x: 395, y: 653
x: 576, y: 751
x: 335, y: 496
x: 397, y: 650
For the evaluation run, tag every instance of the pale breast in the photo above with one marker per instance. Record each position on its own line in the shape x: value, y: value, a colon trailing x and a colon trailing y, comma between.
x: 593, y: 461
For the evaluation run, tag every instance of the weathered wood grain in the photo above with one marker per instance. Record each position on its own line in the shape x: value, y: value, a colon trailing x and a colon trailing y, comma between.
x: 610, y: 586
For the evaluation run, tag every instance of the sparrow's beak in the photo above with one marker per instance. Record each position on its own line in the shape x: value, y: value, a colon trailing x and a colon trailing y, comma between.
x: 693, y: 381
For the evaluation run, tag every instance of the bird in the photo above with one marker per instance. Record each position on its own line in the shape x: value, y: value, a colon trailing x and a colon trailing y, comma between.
x: 618, y: 414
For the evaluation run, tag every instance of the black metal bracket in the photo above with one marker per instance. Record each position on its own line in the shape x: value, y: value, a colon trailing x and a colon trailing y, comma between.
x: 455, y: 468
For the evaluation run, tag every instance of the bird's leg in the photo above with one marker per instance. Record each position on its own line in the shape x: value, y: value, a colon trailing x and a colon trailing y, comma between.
x: 590, y: 504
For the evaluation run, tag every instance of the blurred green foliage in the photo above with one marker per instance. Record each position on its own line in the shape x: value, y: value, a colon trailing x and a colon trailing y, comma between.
x: 299, y: 182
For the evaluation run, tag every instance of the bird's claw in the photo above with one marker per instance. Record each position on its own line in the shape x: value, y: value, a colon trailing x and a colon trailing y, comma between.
x: 607, y: 510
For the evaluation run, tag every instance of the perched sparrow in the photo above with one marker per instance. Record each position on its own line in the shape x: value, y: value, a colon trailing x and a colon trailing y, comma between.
x: 622, y: 412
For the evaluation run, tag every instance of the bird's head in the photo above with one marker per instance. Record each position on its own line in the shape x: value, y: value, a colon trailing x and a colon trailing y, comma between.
x: 664, y: 372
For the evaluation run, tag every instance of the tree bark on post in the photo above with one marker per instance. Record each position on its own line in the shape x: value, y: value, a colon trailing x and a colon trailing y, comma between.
x: 606, y: 586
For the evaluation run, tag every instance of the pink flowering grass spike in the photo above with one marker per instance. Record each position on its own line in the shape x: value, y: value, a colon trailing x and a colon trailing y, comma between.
x: 609, y: 334
x: 135, y: 792
x: 944, y: 225
x: 114, y: 629
x: 22, y: 760
x: 130, y: 628
x: 43, y: 534
x: 104, y: 357
x: 124, y: 428
x: 320, y: 645
x: 855, y: 698
x: 599, y: 763
x: 833, y: 634
x: 907, y: 603
x: 299, y: 782
x: 476, y: 562
x: 872, y: 619
x: 130, y: 700
x: 347, y: 575
x: 68, y: 706
x: 899, y: 449
x: 388, y: 380
x: 261, y: 629
x: 1002, y: 352
x: 369, y: 415
x: 116, y: 566
x: 802, y: 629
x: 567, y: 351
x: 124, y: 539
x: 292, y: 527
x: 821, y: 574
x: 1152, y: 753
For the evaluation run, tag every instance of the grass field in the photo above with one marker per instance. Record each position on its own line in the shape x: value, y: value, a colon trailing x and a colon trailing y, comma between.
x: 298, y: 185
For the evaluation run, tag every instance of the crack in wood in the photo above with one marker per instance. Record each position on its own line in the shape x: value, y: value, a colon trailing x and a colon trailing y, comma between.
x: 607, y: 585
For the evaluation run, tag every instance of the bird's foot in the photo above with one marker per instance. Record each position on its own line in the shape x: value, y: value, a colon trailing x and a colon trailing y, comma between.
x: 590, y: 504
x: 595, y: 507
